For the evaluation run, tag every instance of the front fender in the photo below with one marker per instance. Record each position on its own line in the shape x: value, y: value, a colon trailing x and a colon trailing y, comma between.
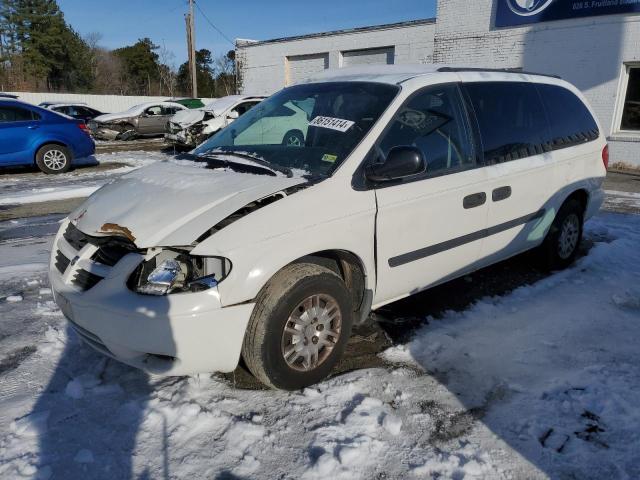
x: 318, y: 219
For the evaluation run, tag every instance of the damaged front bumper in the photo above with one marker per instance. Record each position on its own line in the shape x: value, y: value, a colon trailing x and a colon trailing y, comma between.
x: 112, y: 131
x: 190, y: 136
x: 176, y: 334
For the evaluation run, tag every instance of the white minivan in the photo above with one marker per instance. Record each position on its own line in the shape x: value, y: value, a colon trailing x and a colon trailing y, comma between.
x: 407, y: 176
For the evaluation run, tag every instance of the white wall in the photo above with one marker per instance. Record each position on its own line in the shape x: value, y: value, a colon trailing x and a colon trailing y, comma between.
x: 103, y: 103
x: 264, y: 65
x: 589, y: 52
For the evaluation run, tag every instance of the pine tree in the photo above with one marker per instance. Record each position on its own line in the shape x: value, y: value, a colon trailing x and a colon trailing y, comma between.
x: 140, y: 62
x: 48, y: 52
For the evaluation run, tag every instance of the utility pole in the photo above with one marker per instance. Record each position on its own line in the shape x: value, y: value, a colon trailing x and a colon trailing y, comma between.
x: 191, y: 48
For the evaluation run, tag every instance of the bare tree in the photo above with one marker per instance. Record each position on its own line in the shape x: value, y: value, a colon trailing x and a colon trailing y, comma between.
x: 224, y: 68
x: 167, y: 71
x: 92, y: 40
x: 110, y: 76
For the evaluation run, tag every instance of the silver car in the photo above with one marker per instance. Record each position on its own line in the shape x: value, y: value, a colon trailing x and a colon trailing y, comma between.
x: 144, y: 120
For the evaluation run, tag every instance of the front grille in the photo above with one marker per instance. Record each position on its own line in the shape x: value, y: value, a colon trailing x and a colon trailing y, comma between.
x: 75, y: 237
x: 62, y: 262
x: 85, y: 280
x: 109, y: 252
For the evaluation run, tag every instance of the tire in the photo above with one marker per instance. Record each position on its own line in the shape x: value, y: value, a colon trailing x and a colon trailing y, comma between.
x: 129, y: 133
x: 562, y: 243
x: 289, y: 300
x: 293, y: 138
x: 53, y: 158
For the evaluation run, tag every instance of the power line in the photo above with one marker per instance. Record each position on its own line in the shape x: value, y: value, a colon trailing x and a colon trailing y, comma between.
x: 213, y: 26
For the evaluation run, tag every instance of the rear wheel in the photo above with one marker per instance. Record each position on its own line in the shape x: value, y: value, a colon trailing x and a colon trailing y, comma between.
x: 299, y: 328
x: 53, y: 159
x: 561, y: 245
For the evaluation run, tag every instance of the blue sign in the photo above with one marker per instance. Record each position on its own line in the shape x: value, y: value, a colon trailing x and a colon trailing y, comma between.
x: 520, y: 12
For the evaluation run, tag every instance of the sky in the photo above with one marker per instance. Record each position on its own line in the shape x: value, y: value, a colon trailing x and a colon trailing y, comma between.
x: 123, y: 22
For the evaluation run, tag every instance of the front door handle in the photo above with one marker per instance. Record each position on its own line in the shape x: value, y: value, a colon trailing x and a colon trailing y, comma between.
x: 501, y: 193
x: 32, y: 127
x: 474, y: 200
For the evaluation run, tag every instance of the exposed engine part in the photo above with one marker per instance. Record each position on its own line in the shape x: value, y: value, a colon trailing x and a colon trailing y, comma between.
x: 194, y: 134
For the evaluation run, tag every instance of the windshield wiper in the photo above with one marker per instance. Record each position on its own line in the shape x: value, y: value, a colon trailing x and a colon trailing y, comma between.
x: 223, y: 162
x: 277, y: 168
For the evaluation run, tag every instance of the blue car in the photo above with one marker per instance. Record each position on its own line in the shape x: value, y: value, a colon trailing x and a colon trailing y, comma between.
x: 31, y: 135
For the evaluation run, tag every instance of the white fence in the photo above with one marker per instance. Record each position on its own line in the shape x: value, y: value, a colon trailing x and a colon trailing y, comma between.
x: 104, y: 103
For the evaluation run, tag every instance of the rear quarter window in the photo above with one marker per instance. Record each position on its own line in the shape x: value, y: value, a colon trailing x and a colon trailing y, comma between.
x: 17, y: 114
x: 511, y: 119
x: 570, y: 121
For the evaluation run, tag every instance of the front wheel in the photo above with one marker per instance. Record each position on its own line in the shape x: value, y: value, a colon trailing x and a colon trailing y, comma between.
x: 299, y: 328
x: 53, y: 159
x: 562, y: 243
x: 293, y: 138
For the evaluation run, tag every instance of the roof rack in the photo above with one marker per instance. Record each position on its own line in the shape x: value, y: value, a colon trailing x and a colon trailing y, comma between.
x: 496, y: 70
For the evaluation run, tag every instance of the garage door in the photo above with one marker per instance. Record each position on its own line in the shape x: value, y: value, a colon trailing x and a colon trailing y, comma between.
x: 370, y: 56
x: 303, y: 66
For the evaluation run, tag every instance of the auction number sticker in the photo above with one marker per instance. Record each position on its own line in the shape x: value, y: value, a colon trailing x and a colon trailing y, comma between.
x: 338, y: 124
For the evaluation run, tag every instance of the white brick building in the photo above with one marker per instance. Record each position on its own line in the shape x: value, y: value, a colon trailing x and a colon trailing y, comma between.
x: 269, y: 65
x: 599, y: 54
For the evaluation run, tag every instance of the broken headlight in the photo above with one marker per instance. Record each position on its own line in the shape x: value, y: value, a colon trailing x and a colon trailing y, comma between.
x: 173, y: 271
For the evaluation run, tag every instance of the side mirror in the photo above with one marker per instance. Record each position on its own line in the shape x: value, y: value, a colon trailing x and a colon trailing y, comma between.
x: 401, y: 162
x: 232, y: 115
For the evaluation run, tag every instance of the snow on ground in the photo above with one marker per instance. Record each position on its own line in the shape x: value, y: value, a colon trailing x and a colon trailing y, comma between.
x: 80, y: 182
x: 621, y: 201
x: 542, y: 382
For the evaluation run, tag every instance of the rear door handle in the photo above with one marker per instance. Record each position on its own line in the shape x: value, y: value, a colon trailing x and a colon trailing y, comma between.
x: 32, y: 127
x: 501, y: 193
x: 474, y: 200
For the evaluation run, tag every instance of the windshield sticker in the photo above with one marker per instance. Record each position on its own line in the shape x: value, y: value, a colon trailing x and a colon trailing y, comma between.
x: 338, y: 124
x: 329, y: 158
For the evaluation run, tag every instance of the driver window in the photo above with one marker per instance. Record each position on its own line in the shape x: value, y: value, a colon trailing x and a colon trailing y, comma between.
x: 154, y: 111
x: 435, y: 122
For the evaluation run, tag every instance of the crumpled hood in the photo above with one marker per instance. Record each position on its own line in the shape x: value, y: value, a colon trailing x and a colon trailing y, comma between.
x: 186, y: 118
x: 172, y: 203
x: 111, y: 117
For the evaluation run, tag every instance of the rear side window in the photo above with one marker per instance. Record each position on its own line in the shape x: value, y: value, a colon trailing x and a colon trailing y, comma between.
x: 170, y: 110
x: 17, y: 114
x: 511, y: 119
x: 570, y: 121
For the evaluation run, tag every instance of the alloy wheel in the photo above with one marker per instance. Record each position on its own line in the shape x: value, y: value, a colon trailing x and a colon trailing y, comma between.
x: 54, y: 159
x: 569, y: 235
x: 311, y: 332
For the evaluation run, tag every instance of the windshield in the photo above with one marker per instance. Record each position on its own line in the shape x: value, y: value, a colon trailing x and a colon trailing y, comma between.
x: 311, y: 127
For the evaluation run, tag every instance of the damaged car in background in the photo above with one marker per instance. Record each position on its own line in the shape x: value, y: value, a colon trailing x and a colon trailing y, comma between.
x: 404, y: 177
x: 192, y: 127
x: 144, y: 120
